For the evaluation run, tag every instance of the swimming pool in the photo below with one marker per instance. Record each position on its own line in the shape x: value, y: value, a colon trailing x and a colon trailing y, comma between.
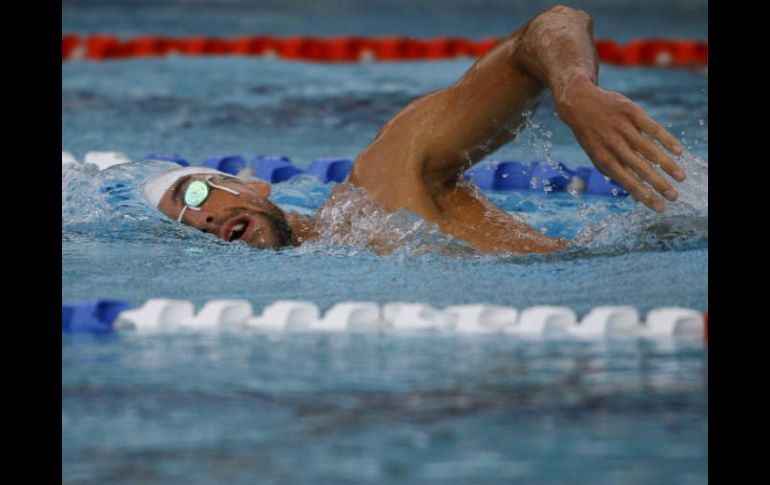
x: 240, y: 407
x: 214, y: 106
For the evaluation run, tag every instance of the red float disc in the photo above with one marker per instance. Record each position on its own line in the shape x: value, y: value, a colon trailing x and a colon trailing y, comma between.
x: 102, y: 47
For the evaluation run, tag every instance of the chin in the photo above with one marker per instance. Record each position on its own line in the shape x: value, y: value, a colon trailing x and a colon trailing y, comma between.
x: 268, y: 243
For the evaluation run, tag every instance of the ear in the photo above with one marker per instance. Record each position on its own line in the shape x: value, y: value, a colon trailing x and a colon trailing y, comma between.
x: 260, y: 186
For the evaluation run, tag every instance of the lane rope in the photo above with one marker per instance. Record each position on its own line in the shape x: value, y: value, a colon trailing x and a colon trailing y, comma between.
x: 171, y: 315
x: 639, y: 52
x: 494, y: 175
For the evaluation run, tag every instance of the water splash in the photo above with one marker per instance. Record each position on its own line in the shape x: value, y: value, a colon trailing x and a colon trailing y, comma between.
x: 684, y: 224
x: 353, y: 221
x: 109, y: 204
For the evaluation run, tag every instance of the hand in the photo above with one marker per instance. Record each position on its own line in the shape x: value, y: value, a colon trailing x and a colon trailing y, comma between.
x: 611, y: 129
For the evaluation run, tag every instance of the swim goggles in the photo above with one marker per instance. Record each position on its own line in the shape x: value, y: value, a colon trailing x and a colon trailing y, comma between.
x: 197, y: 192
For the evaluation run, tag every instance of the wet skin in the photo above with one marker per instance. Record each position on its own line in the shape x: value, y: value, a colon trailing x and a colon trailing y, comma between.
x: 417, y: 159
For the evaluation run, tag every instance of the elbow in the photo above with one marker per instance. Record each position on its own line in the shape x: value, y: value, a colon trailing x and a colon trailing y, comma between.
x: 565, y: 14
x: 554, y: 21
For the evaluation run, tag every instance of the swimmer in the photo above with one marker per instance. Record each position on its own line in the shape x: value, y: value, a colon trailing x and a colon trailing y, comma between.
x: 418, y: 158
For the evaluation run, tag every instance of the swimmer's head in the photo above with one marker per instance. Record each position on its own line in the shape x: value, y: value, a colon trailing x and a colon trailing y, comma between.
x: 231, y: 208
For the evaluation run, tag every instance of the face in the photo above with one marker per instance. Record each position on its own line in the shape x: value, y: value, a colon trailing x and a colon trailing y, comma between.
x: 248, y: 216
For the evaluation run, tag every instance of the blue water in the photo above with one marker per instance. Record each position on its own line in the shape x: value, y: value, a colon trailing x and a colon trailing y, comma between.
x: 200, y: 107
x: 620, y: 20
x: 240, y: 408
x: 244, y: 408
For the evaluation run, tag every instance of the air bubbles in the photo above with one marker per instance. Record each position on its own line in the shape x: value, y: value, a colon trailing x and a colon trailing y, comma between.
x: 701, y: 122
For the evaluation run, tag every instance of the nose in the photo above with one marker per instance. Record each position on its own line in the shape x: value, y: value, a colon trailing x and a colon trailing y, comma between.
x: 201, y: 219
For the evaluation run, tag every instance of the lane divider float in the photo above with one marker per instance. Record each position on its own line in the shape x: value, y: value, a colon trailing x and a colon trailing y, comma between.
x: 98, y: 47
x: 491, y: 175
x: 171, y: 315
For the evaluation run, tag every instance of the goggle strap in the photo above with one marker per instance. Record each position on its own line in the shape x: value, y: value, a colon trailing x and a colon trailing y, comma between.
x: 181, y: 213
x: 220, y: 187
x: 179, y: 219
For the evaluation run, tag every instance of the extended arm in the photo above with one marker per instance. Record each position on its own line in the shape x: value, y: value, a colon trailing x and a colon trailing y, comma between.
x: 555, y: 50
x: 418, y: 158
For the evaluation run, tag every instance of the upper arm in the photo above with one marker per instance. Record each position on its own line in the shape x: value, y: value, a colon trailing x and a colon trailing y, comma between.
x: 447, y: 131
x: 466, y: 122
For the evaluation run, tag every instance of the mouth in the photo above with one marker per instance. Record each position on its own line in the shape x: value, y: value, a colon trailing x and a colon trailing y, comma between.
x: 236, y: 228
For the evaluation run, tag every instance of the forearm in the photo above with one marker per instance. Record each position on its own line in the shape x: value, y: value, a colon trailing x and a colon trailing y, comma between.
x: 557, y: 48
x: 470, y: 216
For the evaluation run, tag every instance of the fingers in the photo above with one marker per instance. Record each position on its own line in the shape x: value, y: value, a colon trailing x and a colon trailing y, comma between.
x: 648, y: 125
x: 644, y: 171
x: 654, y: 154
x: 611, y: 167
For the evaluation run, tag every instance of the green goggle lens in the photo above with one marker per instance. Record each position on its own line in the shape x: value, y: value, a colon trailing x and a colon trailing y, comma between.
x: 196, y: 193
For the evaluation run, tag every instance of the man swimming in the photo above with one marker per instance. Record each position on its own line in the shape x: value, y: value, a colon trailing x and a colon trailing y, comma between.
x: 418, y: 158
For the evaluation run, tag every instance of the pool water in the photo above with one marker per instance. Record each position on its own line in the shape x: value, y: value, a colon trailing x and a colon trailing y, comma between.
x: 207, y: 106
x: 239, y: 407
x: 248, y: 408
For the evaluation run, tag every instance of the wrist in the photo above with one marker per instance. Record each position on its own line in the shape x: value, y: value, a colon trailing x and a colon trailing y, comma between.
x: 574, y: 88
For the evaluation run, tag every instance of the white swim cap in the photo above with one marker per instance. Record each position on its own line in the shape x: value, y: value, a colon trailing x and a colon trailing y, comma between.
x: 158, y: 185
